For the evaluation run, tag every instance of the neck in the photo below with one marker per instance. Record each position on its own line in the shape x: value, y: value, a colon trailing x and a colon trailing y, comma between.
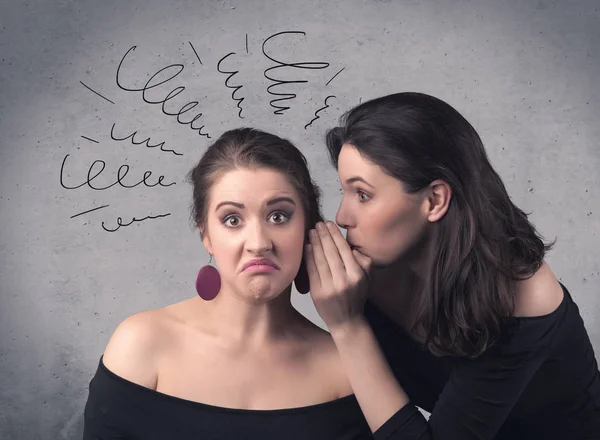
x: 251, y: 323
x: 397, y: 287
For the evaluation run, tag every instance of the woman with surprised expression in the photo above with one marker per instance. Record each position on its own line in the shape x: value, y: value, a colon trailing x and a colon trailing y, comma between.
x: 237, y: 361
x: 460, y: 313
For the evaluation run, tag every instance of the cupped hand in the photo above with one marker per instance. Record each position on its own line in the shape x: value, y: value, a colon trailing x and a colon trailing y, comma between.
x: 338, y: 276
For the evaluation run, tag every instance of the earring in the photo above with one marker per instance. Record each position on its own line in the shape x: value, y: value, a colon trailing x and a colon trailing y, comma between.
x: 301, y: 281
x: 208, y: 282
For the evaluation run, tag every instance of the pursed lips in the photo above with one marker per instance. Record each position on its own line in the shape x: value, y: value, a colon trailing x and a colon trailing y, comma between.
x: 352, y: 245
x: 259, y: 262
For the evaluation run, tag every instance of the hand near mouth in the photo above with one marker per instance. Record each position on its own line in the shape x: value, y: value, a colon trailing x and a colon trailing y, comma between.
x: 338, y: 275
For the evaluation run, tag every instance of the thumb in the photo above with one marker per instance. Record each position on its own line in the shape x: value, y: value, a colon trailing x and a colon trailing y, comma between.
x: 364, y: 261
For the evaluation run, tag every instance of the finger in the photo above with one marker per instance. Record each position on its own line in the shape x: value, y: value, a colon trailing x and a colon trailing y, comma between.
x: 319, y: 257
x: 330, y: 249
x: 311, y: 268
x: 344, y: 250
x: 364, y: 261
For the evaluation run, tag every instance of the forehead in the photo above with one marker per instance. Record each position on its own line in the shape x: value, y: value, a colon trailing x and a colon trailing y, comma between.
x: 352, y: 164
x: 252, y: 186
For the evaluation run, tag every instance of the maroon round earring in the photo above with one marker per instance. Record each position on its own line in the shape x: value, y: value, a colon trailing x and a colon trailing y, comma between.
x: 301, y: 281
x: 208, y: 282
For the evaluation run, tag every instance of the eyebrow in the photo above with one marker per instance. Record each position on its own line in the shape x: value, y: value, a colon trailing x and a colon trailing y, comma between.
x: 270, y: 202
x: 358, y: 179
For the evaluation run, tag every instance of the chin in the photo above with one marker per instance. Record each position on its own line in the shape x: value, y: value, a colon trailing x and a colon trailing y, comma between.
x: 263, y: 290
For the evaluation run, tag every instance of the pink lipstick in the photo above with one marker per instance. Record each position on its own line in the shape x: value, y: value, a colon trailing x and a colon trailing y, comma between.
x: 259, y: 265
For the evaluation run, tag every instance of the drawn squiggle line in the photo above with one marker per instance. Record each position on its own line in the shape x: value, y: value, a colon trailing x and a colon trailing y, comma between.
x: 172, y: 94
x: 146, y: 141
x: 278, y: 82
x: 235, y: 88
x: 317, y: 112
x: 119, y: 220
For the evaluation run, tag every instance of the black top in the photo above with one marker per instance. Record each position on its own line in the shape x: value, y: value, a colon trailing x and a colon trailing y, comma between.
x: 120, y: 409
x: 540, y: 382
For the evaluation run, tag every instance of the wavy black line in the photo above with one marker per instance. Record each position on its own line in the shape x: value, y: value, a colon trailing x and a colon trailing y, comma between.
x: 303, y: 65
x: 235, y: 88
x: 146, y: 141
x: 119, y: 220
x: 173, y: 93
x: 317, y: 112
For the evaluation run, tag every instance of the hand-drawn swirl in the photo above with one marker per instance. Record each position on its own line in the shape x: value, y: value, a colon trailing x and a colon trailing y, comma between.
x: 235, y: 88
x: 119, y: 221
x: 278, y: 82
x: 146, y: 141
x: 172, y: 94
x: 317, y: 112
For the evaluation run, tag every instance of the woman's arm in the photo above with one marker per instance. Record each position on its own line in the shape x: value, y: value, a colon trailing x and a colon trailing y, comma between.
x: 480, y: 393
x: 378, y: 392
x: 338, y: 286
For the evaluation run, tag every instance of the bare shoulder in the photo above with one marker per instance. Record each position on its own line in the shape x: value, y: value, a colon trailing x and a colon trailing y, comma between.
x: 329, y: 364
x: 539, y: 295
x: 132, y: 350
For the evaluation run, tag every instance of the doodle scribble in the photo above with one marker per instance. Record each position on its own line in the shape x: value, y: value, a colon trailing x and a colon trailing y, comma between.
x: 119, y: 221
x: 120, y: 176
x: 146, y: 141
x: 172, y: 94
x: 91, y: 90
x: 235, y: 88
x: 197, y: 56
x: 339, y: 71
x: 89, y: 210
x: 280, y: 64
x: 317, y: 112
x: 90, y: 139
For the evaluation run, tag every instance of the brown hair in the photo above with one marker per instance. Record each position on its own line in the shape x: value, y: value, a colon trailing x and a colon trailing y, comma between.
x: 483, y: 243
x: 252, y: 148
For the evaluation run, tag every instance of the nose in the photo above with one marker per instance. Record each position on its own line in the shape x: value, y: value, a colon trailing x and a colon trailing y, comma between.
x: 258, y: 240
x: 343, y: 216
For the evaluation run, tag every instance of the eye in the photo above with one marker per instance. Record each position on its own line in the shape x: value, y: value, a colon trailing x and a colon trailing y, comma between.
x: 279, y: 217
x: 363, y: 196
x: 232, y: 221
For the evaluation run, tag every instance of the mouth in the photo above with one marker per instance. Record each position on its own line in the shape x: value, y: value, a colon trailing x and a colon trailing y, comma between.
x: 260, y: 265
x: 353, y: 246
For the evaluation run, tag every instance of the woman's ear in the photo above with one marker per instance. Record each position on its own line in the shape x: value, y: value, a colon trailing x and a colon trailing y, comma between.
x: 205, y: 239
x: 438, y: 198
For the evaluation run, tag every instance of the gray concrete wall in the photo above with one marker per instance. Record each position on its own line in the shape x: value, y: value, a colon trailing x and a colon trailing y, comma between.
x: 525, y: 73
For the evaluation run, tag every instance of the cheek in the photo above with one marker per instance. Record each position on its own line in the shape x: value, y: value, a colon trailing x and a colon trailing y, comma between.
x: 392, y: 233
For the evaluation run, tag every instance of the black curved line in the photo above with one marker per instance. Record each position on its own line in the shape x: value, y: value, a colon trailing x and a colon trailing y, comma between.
x: 317, y: 112
x: 235, y: 88
x: 132, y: 221
x: 146, y: 141
x: 304, y: 65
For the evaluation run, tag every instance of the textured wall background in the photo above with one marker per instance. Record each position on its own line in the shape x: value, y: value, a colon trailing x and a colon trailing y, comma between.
x: 525, y: 73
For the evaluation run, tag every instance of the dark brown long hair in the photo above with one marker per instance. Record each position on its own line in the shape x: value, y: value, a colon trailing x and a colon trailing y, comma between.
x: 480, y: 247
x: 252, y: 148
